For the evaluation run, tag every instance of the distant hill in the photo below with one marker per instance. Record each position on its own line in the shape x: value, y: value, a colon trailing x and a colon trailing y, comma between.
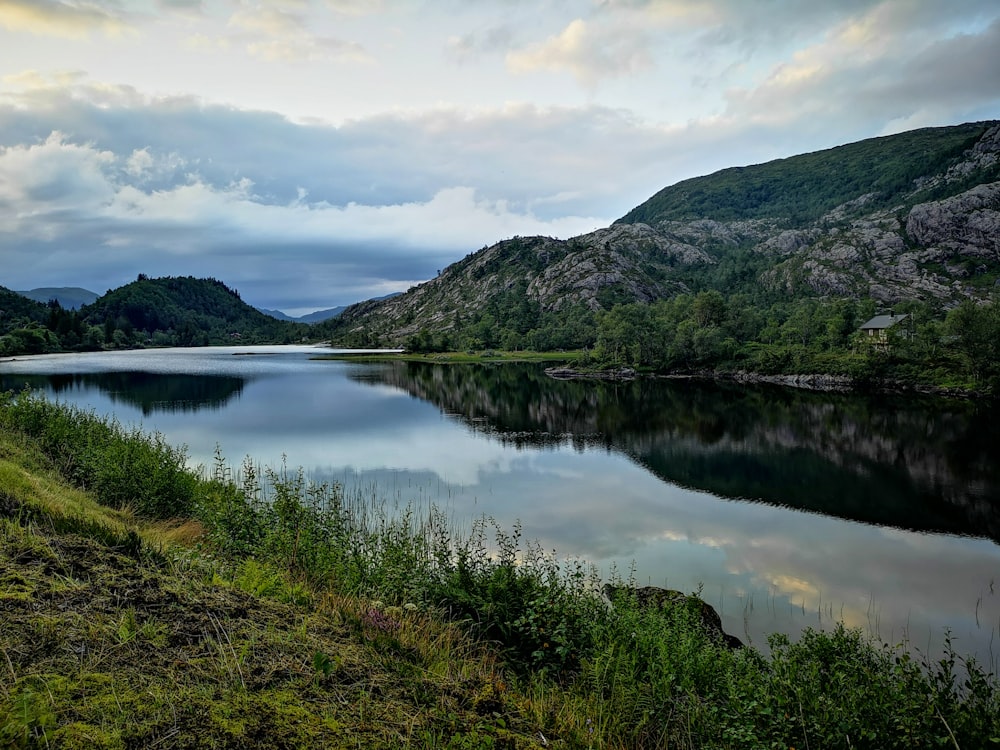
x: 277, y: 314
x: 320, y: 316
x: 171, y: 311
x: 914, y: 216
x: 185, y: 311
x: 70, y: 297
x: 314, y: 317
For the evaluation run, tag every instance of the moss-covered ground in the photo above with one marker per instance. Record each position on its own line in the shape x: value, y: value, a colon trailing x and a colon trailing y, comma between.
x: 120, y: 633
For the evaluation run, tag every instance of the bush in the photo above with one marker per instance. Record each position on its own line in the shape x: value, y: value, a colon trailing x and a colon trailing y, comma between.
x: 124, y: 468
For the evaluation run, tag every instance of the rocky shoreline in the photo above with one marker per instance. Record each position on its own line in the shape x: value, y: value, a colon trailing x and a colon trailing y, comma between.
x: 811, y: 382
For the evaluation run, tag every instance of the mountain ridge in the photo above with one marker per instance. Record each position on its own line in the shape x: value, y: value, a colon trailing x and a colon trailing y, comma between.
x: 70, y: 297
x: 913, y: 216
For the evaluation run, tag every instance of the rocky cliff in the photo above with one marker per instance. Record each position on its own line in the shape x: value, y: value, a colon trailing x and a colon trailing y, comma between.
x: 913, y: 216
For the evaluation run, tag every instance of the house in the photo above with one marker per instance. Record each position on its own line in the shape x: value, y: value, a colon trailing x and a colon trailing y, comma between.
x: 876, y: 330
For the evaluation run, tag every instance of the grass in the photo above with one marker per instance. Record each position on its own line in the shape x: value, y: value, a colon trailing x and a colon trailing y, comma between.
x: 271, y: 612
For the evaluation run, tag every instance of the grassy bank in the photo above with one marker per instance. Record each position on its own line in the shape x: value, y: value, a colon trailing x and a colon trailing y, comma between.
x: 146, y: 605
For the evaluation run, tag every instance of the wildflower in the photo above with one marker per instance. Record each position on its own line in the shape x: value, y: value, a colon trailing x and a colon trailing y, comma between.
x: 378, y: 620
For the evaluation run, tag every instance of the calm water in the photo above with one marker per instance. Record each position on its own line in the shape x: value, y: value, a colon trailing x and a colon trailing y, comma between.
x: 788, y: 509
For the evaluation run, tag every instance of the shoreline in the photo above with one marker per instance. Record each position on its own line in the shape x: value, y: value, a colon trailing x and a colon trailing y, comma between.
x: 818, y: 382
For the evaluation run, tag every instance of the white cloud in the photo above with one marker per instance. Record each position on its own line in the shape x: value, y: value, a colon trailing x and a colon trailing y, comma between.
x: 589, y: 51
x: 277, y: 35
x: 62, y: 19
x: 50, y: 178
x: 119, y: 211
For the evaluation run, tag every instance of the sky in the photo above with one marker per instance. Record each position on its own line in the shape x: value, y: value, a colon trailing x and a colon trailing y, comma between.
x: 315, y: 153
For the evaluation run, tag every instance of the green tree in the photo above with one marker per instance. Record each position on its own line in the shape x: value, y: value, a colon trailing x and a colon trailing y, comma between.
x: 975, y: 333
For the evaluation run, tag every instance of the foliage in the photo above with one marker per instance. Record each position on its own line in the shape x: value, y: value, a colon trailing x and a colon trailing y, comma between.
x: 184, y: 311
x: 706, y: 332
x: 257, y: 638
x: 170, y: 311
x: 974, y: 332
x: 124, y: 468
x: 802, y: 188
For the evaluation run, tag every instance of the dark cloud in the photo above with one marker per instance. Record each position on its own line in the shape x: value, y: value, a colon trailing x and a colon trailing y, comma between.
x: 522, y: 154
x: 864, y: 81
x: 960, y: 71
x: 173, y: 187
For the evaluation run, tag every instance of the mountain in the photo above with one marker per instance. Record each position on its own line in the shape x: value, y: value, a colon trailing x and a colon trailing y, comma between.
x: 184, y: 311
x: 277, y: 314
x: 913, y: 216
x: 70, y: 297
x: 320, y: 316
x: 314, y: 317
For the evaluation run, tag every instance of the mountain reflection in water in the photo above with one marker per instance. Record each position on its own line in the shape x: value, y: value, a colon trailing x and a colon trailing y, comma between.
x: 922, y: 465
x: 148, y: 391
x: 696, y: 485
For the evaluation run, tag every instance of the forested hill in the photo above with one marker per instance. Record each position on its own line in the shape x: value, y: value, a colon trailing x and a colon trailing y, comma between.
x: 171, y: 311
x: 15, y: 306
x: 892, y: 171
x: 907, y: 219
x: 185, y: 311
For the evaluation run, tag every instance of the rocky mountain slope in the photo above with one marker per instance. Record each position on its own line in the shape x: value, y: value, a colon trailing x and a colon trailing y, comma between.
x: 910, y: 216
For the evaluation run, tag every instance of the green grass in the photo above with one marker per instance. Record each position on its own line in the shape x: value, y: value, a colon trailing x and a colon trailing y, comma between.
x: 271, y: 612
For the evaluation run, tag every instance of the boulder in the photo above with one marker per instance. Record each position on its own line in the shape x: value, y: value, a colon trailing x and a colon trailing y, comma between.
x: 653, y: 597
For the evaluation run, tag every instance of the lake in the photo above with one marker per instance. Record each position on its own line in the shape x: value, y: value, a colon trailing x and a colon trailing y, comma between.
x: 785, y: 508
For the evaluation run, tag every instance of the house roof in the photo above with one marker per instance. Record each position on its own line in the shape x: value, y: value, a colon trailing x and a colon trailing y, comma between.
x: 883, y: 321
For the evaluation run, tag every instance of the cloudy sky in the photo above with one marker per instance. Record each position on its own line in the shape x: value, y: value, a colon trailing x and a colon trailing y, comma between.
x: 313, y: 153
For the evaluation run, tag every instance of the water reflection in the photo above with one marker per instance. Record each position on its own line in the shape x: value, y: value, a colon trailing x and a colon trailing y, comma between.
x: 926, y: 465
x: 698, y: 485
x: 148, y: 391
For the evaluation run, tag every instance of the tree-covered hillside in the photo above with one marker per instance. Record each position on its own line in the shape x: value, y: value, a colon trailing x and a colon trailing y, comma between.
x: 172, y: 311
x: 801, y: 189
x: 913, y: 217
x: 23, y: 328
x: 184, y: 311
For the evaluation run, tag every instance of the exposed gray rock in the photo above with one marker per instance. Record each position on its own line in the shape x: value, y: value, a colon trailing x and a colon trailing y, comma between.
x: 967, y: 224
x: 837, y: 383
